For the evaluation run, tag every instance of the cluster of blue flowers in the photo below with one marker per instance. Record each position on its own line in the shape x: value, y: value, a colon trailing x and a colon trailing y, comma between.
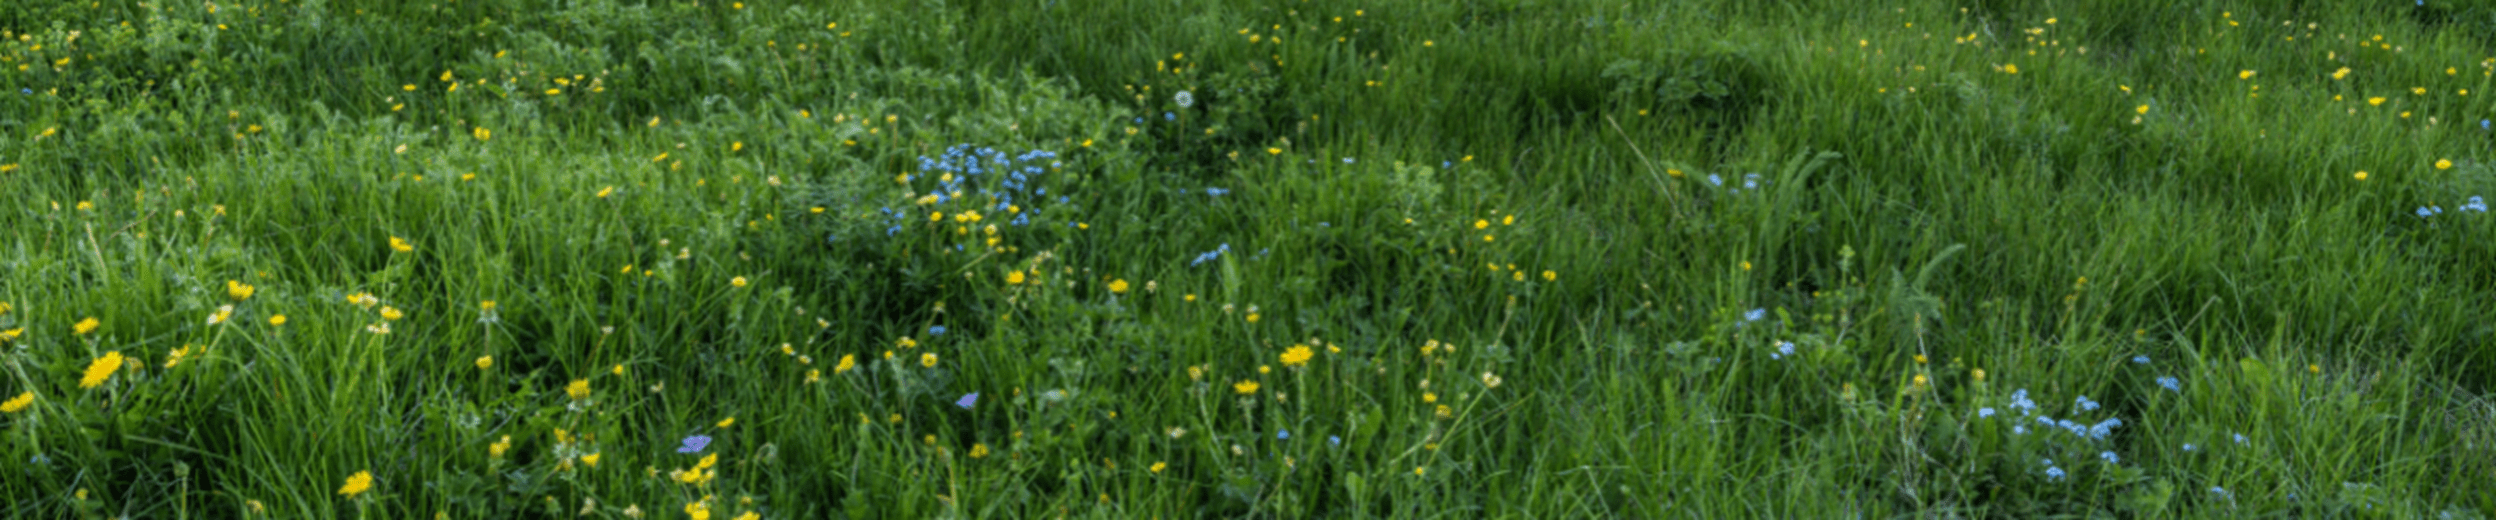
x: 1209, y: 256
x: 1750, y: 181
x: 1013, y: 175
x: 2477, y: 203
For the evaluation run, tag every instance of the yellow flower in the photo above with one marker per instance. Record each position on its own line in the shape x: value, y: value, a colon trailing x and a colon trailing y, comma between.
x: 1014, y: 278
x: 707, y: 461
x: 19, y: 403
x: 1297, y: 355
x: 848, y: 361
x: 579, y: 389
x: 1920, y: 359
x: 401, y: 245
x: 2010, y: 69
x: 357, y: 484
x: 590, y: 460
x: 496, y: 450
x: 928, y: 359
x: 174, y: 357
x: 730, y: 421
x: 604, y: 192
x: 1245, y: 387
x: 749, y: 515
x: 1920, y: 380
x: 391, y: 313
x: 2245, y: 75
x: 1118, y: 286
x: 2143, y: 109
x: 277, y: 321
x: 2361, y: 175
x: 482, y: 133
x: 12, y: 334
x: 85, y: 326
x: 2374, y: 101
x: 1550, y: 276
x: 101, y: 370
x: 485, y: 362
x: 238, y: 290
x: 1273, y: 151
x: 1429, y: 397
x: 2443, y: 164
x: 224, y: 312
x: 979, y: 450
x: 738, y: 281
x: 2342, y: 73
x: 1158, y: 466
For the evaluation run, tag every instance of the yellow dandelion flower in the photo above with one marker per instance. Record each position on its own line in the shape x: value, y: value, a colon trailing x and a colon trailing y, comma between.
x: 19, y: 403
x: 174, y: 357
x: 1014, y: 278
x: 239, y: 291
x: 2010, y: 69
x: 579, y: 389
x: 1244, y: 387
x: 1158, y: 466
x: 85, y: 326
x: 391, y: 313
x: 482, y: 133
x: 1297, y: 355
x: 1118, y: 286
x: 2374, y: 101
x: 1479, y: 224
x: 738, y: 281
x: 590, y: 460
x: 1551, y: 276
x: 1273, y: 151
x: 277, y: 321
x: 401, y: 245
x: 496, y: 449
x: 730, y: 421
x: 485, y: 362
x: 979, y: 451
x: 2443, y: 164
x: 2361, y: 175
x: 1429, y: 397
x: 2248, y: 74
x: 357, y: 484
x: 848, y: 361
x: 604, y: 192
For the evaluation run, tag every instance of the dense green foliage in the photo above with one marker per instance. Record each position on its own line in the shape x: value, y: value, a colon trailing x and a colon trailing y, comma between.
x: 1230, y: 258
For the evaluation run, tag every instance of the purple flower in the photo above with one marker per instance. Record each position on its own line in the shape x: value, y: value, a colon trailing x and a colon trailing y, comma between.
x: 695, y: 444
x: 967, y: 400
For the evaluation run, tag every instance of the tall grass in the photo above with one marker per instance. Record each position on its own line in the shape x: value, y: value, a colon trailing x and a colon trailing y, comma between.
x: 1135, y: 258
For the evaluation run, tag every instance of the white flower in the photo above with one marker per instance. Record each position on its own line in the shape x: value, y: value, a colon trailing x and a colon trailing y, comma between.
x: 1184, y: 99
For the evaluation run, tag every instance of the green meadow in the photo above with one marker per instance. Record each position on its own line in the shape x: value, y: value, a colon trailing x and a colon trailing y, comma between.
x: 1247, y: 259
